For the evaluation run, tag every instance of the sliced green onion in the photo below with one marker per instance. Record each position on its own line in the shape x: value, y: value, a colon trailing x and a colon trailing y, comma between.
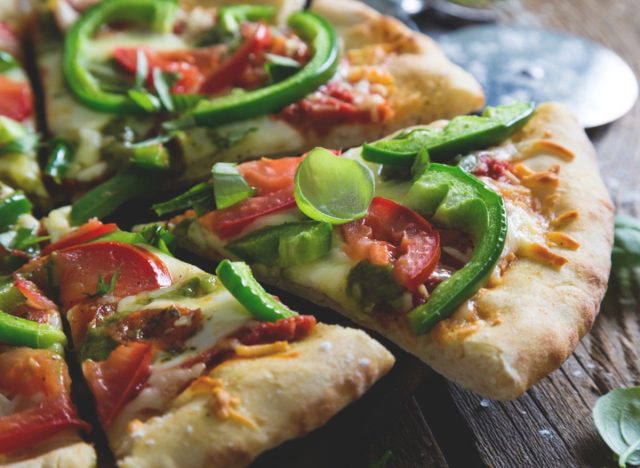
x: 199, y: 197
x: 279, y: 67
x: 154, y: 156
x: 162, y: 88
x: 142, y: 68
x: 333, y: 189
x: 229, y: 187
x: 17, y: 331
x: 124, y: 237
x: 159, y: 237
x: 104, y: 199
x: 7, y: 61
x: 145, y: 99
x: 12, y: 207
x: 59, y: 160
x: 238, y: 279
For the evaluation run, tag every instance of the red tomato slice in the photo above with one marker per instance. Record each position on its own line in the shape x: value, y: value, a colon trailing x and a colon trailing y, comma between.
x: 230, y: 221
x: 269, y: 175
x: 190, y: 65
x: 257, y: 38
x: 290, y: 329
x: 80, y: 267
x: 85, y: 233
x: 394, y: 234
x: 35, y: 298
x: 16, y: 101
x: 119, y: 379
x: 27, y: 373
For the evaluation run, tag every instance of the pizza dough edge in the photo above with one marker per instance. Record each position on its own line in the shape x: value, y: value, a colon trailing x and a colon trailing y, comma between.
x: 285, y: 395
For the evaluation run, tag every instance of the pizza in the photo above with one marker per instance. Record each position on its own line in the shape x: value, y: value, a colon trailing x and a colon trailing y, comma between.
x: 39, y: 424
x: 18, y: 138
x: 211, y: 369
x: 460, y: 261
x: 204, y: 82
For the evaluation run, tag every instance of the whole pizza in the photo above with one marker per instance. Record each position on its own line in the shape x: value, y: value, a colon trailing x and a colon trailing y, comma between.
x: 326, y: 150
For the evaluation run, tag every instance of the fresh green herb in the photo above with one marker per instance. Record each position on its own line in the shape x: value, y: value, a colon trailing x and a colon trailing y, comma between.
x: 97, y: 345
x: 144, y: 99
x: 26, y: 241
x: 198, y: 286
x: 229, y: 187
x: 199, y: 198
x: 7, y: 61
x: 104, y: 199
x: 15, y: 138
x: 617, y: 418
x: 153, y: 157
x: 625, y: 258
x: 383, y: 461
x: 333, y: 189
x: 279, y: 67
x: 59, y: 159
x: 161, y: 83
x: 12, y: 207
x: 105, y: 287
x: 228, y: 139
x: 160, y: 237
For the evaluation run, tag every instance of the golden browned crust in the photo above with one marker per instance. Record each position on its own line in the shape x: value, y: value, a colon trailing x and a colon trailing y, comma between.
x: 281, y: 396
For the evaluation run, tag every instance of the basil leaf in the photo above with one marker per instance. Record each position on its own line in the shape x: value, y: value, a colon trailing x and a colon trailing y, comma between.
x: 229, y: 187
x: 163, y: 88
x: 333, y: 189
x: 617, y: 418
x: 625, y: 257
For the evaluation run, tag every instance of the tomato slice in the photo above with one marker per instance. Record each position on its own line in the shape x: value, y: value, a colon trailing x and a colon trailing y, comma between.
x: 189, y: 65
x: 35, y: 298
x: 230, y: 221
x: 394, y: 234
x: 257, y: 38
x: 269, y: 175
x: 80, y: 267
x: 85, y: 233
x: 16, y: 100
x: 118, y: 380
x: 41, y: 375
x: 290, y: 329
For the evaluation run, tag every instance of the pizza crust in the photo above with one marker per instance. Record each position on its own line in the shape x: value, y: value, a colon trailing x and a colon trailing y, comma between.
x: 65, y: 450
x: 285, y: 395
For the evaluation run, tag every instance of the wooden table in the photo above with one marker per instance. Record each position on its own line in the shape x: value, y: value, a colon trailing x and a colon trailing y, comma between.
x: 428, y: 421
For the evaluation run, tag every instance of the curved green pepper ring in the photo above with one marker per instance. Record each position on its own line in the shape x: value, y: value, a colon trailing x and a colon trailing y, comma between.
x: 230, y: 18
x: 462, y: 134
x: 245, y: 105
x: 459, y: 201
x: 159, y: 14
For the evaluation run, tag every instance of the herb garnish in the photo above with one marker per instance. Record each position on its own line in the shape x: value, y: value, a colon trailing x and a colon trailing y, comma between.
x: 105, y: 287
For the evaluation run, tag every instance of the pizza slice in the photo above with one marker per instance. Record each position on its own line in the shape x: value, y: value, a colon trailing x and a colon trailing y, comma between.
x: 18, y: 139
x: 481, y: 245
x: 39, y: 424
x: 193, y: 369
x: 157, y: 89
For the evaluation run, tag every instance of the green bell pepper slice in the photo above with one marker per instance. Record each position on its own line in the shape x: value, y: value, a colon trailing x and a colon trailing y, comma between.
x: 457, y: 200
x: 158, y: 14
x: 17, y: 331
x: 272, y: 98
x: 461, y: 135
x: 286, y: 245
x: 238, y: 279
x: 231, y: 17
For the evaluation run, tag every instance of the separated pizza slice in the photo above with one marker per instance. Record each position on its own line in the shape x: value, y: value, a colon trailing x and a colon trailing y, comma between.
x: 481, y: 244
x: 39, y: 424
x: 192, y: 369
x: 18, y: 138
x: 161, y: 90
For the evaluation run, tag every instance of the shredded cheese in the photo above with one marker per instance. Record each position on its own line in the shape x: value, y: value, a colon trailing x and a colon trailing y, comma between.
x: 260, y: 350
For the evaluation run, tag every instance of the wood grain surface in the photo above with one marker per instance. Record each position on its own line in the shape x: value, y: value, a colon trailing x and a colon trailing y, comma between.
x: 439, y: 424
